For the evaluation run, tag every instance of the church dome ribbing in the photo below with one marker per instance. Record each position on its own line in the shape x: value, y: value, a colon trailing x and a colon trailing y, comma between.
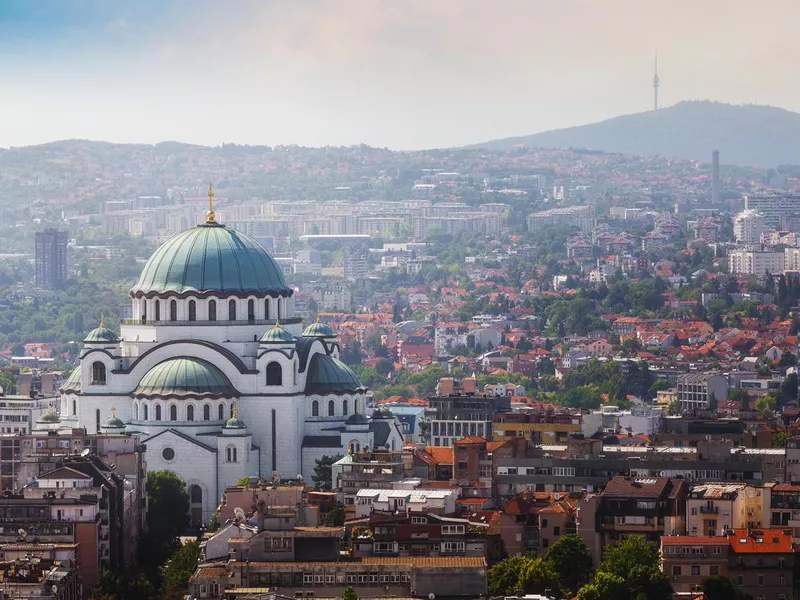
x: 277, y: 335
x: 318, y: 329
x: 328, y: 375
x: 185, y: 378
x: 211, y: 259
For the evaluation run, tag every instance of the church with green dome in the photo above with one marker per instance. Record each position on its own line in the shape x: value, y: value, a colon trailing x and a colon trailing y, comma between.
x: 217, y: 374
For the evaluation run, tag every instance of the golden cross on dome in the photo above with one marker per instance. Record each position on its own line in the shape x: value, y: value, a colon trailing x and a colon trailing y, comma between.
x: 233, y: 412
x: 210, y: 216
x: 114, y: 412
x: 102, y: 320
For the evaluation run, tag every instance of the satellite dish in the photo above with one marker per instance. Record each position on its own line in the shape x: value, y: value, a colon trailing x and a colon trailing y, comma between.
x: 238, y: 512
x: 86, y: 452
x: 22, y: 532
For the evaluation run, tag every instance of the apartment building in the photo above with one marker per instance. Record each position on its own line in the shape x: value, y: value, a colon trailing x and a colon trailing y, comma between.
x: 694, y: 389
x: 754, y: 262
x: 456, y: 416
x: 713, y: 508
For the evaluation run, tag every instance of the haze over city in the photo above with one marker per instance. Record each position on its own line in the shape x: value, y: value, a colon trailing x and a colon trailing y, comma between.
x: 407, y: 74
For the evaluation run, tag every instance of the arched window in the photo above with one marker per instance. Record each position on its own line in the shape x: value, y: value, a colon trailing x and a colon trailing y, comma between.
x: 136, y: 411
x: 230, y: 452
x: 190, y: 413
x: 221, y: 412
x: 158, y: 412
x: 331, y: 408
x: 173, y: 310
x: 274, y: 374
x: 144, y: 310
x: 207, y: 412
x: 266, y: 308
x: 278, y: 303
x: 98, y: 373
x: 315, y: 409
x: 173, y: 413
x: 74, y: 407
x: 192, y: 310
x: 97, y: 419
x: 158, y: 310
x: 344, y: 408
x: 233, y: 410
x: 251, y: 310
x: 212, y: 310
x: 195, y: 494
x: 232, y: 310
x: 144, y: 411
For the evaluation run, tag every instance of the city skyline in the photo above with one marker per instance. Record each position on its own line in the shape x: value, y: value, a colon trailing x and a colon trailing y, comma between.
x: 406, y: 76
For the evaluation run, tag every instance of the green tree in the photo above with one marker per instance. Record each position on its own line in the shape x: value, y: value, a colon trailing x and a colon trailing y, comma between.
x: 765, y: 405
x: 384, y: 366
x: 179, y: 569
x: 504, y: 576
x: 243, y: 481
x: 8, y: 381
x: 604, y: 586
x: 674, y: 408
x: 712, y: 401
x: 658, y: 385
x: 779, y: 439
x: 349, y: 594
x: 322, y: 476
x: 167, y: 517
x: 122, y: 586
x: 335, y: 515
x: 571, y: 560
x: 721, y: 588
x: 638, y: 563
x: 787, y: 359
x: 741, y: 396
x: 539, y: 575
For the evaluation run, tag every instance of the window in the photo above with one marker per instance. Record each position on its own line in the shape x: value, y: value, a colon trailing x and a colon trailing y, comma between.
x: 192, y: 310
x: 556, y: 531
x: 315, y: 409
x: 781, y: 579
x: 676, y: 571
x: 485, y: 471
x: 448, y: 547
x: 173, y: 413
x: 760, y: 580
x: 221, y: 412
x: 75, y: 407
x: 98, y: 373
x: 695, y: 570
x: 232, y: 310
x: 158, y: 412
x: 173, y: 310
x: 266, y: 308
x: 230, y: 452
x: 144, y: 410
x: 168, y: 453
x: 344, y: 408
x: 713, y: 570
x: 462, y: 465
x: 274, y: 374
x: 717, y: 549
x: 278, y: 306
x: 136, y: 411
x: 331, y: 408
x: 212, y: 310
x: 419, y: 520
x: 207, y: 412
x: 544, y: 523
x: 251, y: 310
x: 190, y: 413
x: 158, y: 310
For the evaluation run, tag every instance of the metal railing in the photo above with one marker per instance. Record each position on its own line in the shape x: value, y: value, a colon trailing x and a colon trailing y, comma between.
x: 202, y: 323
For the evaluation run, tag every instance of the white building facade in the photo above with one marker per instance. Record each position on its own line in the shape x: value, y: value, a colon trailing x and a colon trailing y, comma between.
x: 216, y: 372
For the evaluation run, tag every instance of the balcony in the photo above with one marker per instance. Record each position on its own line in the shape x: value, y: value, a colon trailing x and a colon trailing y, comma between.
x: 709, y: 510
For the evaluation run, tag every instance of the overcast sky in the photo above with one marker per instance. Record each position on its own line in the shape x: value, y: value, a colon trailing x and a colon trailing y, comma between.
x: 398, y: 73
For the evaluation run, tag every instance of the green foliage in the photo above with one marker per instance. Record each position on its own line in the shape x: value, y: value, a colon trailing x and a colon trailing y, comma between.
x: 243, y: 481
x: 349, y: 594
x: 765, y: 405
x: 582, y: 386
x: 629, y: 571
x: 571, y: 561
x: 539, y: 575
x: 167, y: 517
x: 322, y: 476
x: 504, y: 577
x: 336, y: 516
x: 658, y: 386
x: 739, y: 395
x: 179, y: 569
x: 721, y: 588
x: 8, y: 381
x: 779, y: 439
x: 213, y: 522
x: 787, y: 359
x: 123, y: 586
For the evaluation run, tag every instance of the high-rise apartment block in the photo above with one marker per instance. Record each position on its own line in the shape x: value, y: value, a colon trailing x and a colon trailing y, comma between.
x: 748, y: 227
x: 772, y: 205
x: 355, y: 260
x: 51, y: 258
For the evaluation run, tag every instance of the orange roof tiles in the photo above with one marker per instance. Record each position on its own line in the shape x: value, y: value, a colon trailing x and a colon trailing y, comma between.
x: 760, y: 541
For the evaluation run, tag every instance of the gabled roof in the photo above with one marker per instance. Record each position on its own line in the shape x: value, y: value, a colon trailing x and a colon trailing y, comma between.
x: 760, y: 541
x: 64, y: 473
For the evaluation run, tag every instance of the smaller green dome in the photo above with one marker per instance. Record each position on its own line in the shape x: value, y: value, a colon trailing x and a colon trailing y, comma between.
x: 185, y: 378
x: 328, y: 375
x: 318, y: 329
x: 101, y: 335
x: 235, y: 422
x: 357, y: 419
x: 113, y: 422
x: 277, y: 335
x: 48, y: 417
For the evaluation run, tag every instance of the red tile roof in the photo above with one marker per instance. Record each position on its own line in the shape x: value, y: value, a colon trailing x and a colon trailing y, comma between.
x: 760, y: 541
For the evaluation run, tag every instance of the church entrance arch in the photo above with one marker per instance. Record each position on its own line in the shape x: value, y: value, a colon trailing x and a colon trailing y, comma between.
x: 195, y: 505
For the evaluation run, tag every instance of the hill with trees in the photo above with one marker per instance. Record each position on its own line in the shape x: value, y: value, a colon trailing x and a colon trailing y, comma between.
x: 744, y: 134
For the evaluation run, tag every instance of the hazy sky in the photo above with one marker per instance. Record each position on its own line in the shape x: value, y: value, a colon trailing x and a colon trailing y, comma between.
x: 397, y: 73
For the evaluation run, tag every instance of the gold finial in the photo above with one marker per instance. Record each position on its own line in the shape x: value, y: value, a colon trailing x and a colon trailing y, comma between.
x: 318, y: 321
x: 233, y: 412
x: 102, y: 320
x: 113, y: 412
x: 210, y: 216
x: 277, y: 322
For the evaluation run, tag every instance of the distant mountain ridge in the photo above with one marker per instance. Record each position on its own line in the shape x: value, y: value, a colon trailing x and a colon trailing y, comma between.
x: 744, y: 134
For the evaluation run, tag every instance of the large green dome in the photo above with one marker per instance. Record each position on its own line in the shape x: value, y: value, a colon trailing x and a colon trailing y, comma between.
x: 328, y: 375
x: 211, y: 259
x: 185, y: 378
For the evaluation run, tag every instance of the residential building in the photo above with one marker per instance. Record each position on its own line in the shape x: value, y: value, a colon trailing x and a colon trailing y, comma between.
x: 748, y: 226
x: 456, y: 416
x: 18, y: 414
x: 713, y: 508
x: 51, y: 258
x: 367, y: 470
x: 355, y: 260
x: 761, y: 562
x: 695, y: 389
x: 406, y: 501
x: 41, y: 571
x: 690, y: 560
x: 772, y: 205
x: 577, y: 216
x: 535, y: 520
x: 542, y: 427
x: 754, y: 262
x: 647, y: 506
